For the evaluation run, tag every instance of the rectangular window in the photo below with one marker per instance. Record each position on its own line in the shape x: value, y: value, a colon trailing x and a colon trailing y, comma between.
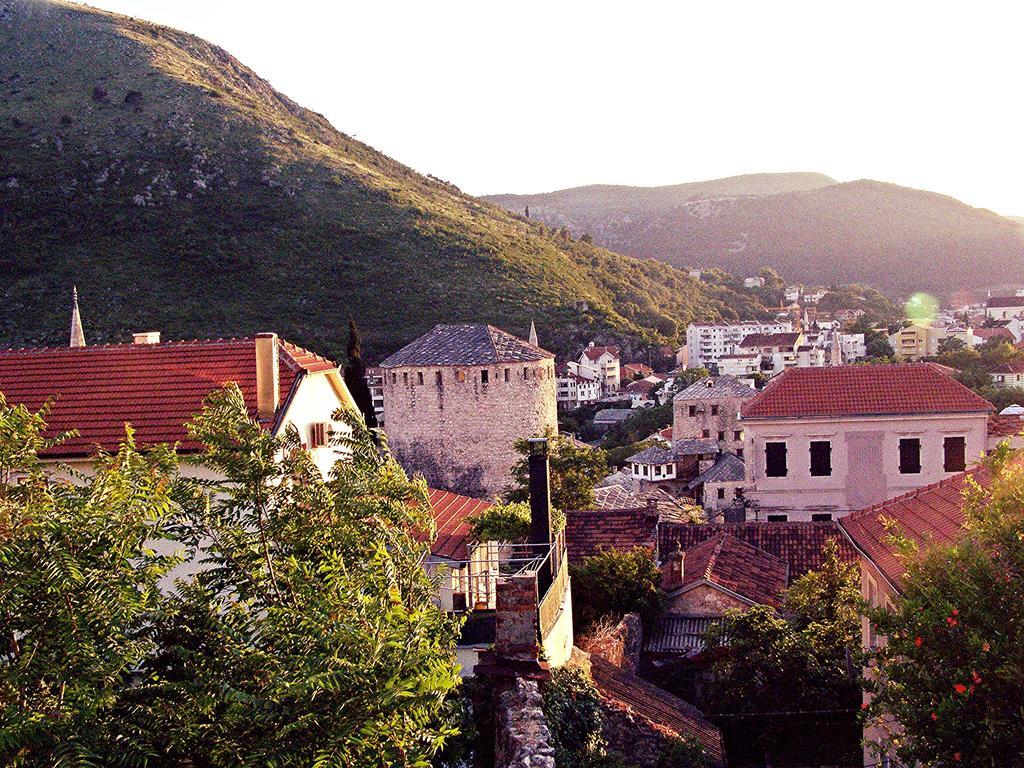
x: 737, y: 435
x: 506, y: 374
x: 419, y: 377
x: 714, y: 410
x: 460, y: 375
x: 692, y: 410
x: 910, y: 456
x: 821, y: 517
x: 405, y: 377
x: 955, y: 459
x: 317, y: 435
x: 485, y: 376
x: 778, y: 518
x: 721, y: 435
x: 775, y: 459
x: 440, y: 380
x: 821, y: 458
x: 705, y: 433
x: 721, y: 493
x: 526, y: 373
x: 739, y: 453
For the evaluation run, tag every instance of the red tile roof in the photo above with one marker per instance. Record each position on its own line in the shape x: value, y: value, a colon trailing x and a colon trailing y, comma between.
x: 1005, y: 426
x: 932, y: 513
x: 642, y: 386
x: 799, y: 544
x: 855, y: 390
x: 667, y: 713
x: 587, y: 532
x: 733, y: 564
x: 1008, y: 368
x: 1004, y: 301
x: 629, y: 370
x: 451, y: 519
x: 993, y: 333
x: 594, y: 353
x: 157, y: 388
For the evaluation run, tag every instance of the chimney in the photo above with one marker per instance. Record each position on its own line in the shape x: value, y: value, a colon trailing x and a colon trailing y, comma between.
x: 268, y: 383
x: 540, y: 491
x: 674, y: 569
x: 146, y: 337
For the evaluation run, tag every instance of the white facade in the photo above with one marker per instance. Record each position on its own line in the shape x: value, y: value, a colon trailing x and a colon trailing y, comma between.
x: 708, y: 342
x: 573, y: 389
x: 602, y: 365
x: 853, y: 346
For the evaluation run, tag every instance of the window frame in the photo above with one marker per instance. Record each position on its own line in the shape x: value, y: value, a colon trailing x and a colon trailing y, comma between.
x: 961, y: 464
x: 769, y: 447
x: 908, y: 469
x: 817, y: 469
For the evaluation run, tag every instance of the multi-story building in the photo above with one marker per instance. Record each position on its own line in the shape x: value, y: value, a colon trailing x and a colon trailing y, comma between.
x: 709, y: 409
x: 1008, y: 375
x: 917, y: 341
x: 852, y: 346
x: 375, y: 383
x: 1004, y: 307
x: 574, y: 390
x: 822, y: 442
x: 603, y: 365
x: 458, y: 397
x: 706, y: 343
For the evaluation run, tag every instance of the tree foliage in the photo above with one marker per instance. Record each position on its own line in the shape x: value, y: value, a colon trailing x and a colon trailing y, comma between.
x: 355, y: 374
x: 951, y: 671
x: 307, y: 636
x: 613, y: 583
x: 575, y: 469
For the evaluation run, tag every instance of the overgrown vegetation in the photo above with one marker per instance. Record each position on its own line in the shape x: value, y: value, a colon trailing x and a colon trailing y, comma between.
x: 612, y: 583
x: 575, y: 469
x: 509, y: 522
x: 973, y: 366
x: 950, y: 671
x: 309, y: 636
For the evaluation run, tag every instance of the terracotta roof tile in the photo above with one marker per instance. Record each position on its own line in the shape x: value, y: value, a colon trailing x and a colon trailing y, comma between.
x: 666, y: 712
x: 851, y: 390
x: 1008, y: 368
x: 1004, y: 301
x: 799, y: 544
x: 157, y: 388
x: 993, y: 333
x: 932, y: 513
x: 595, y: 352
x: 587, y: 532
x: 769, y: 340
x: 733, y: 564
x: 1005, y: 426
x: 451, y: 519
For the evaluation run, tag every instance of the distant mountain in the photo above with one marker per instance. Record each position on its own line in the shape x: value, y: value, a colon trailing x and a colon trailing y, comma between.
x: 807, y: 226
x: 181, y: 192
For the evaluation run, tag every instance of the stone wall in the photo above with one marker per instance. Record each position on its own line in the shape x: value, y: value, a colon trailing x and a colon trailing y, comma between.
x: 725, y: 421
x: 522, y: 737
x: 704, y: 600
x: 458, y: 430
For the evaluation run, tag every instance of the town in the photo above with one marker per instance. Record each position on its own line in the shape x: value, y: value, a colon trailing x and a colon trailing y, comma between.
x: 309, y: 459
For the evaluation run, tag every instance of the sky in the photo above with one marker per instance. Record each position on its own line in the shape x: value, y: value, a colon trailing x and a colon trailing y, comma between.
x: 535, y: 96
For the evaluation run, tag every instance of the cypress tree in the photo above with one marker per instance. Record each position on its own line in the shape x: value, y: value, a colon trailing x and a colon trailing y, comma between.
x: 355, y: 374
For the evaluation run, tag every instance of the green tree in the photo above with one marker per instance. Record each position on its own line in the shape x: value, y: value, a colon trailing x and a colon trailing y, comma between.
x: 951, y: 344
x: 802, y: 659
x: 575, y: 470
x: 952, y: 669
x: 310, y: 637
x: 613, y: 583
x: 355, y: 374
x: 78, y: 593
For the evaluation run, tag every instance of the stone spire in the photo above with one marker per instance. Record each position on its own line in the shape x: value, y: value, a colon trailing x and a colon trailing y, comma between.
x: 77, y: 334
x: 533, y: 335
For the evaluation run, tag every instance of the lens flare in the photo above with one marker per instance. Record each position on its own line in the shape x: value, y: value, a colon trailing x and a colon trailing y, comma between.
x: 921, y: 308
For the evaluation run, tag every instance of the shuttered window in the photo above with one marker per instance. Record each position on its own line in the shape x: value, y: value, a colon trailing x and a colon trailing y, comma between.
x: 775, y: 459
x: 955, y: 454
x: 821, y: 458
x: 910, y: 456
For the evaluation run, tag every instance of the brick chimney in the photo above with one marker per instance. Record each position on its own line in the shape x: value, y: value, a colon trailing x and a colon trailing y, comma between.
x: 673, y: 570
x: 268, y: 384
x: 540, y: 491
x: 146, y: 337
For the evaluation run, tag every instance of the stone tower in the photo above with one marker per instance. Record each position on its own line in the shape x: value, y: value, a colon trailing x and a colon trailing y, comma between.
x: 77, y: 334
x: 457, y: 398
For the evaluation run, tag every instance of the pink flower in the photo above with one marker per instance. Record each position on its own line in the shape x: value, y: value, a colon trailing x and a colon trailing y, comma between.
x: 960, y: 688
x: 956, y: 756
x: 976, y: 677
x: 951, y: 621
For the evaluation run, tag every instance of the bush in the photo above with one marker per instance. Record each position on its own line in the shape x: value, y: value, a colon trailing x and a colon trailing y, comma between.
x: 502, y: 522
x: 613, y: 583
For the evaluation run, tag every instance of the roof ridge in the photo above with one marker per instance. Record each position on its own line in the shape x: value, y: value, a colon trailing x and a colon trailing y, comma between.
x: 126, y: 345
x: 913, y: 494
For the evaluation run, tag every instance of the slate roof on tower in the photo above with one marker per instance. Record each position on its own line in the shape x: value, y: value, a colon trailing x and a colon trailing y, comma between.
x: 863, y: 390
x: 157, y: 388
x: 466, y: 344
x: 714, y: 387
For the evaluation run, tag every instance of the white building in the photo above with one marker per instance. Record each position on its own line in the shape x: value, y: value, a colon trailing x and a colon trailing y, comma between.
x: 853, y: 347
x: 601, y: 364
x: 753, y: 282
x: 1004, y: 307
x: 375, y: 383
x: 707, y: 342
x: 573, y: 389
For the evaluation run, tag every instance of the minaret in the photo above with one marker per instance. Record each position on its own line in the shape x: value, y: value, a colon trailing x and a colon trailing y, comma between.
x: 77, y: 334
x: 533, y: 335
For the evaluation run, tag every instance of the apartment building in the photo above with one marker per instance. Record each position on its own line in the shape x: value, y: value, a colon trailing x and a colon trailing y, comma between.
x: 706, y: 343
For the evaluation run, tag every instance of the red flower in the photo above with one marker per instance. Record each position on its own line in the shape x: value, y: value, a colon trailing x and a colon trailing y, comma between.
x: 918, y: 641
x: 956, y: 756
x: 960, y: 688
x: 985, y: 647
x: 956, y: 612
x: 951, y: 621
x: 864, y: 705
x: 976, y: 677
x: 934, y: 716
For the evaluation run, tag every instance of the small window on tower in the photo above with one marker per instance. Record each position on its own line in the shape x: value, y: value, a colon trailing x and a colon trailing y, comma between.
x: 737, y: 435
x: 705, y: 433
x: 526, y: 373
x: 419, y: 377
x: 721, y: 493
x: 714, y: 410
x: 439, y: 378
x: 692, y: 410
x: 405, y: 377
x: 460, y: 375
x: 484, y: 376
x: 506, y: 374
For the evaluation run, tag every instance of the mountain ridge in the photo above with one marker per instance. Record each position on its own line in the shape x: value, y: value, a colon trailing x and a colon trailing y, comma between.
x: 181, y: 192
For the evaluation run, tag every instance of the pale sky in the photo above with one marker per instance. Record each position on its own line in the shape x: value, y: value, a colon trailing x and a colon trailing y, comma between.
x: 533, y: 96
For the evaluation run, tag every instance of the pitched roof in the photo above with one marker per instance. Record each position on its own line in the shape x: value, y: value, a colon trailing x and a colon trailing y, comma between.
x: 853, y: 390
x: 642, y: 386
x: 735, y: 565
x: 678, y: 634
x: 1004, y: 301
x: 587, y: 532
x: 932, y: 513
x: 466, y: 344
x: 1008, y: 368
x: 595, y: 352
x: 631, y: 369
x: 612, y: 415
x: 800, y: 544
x: 769, y: 340
x: 666, y: 712
x: 451, y: 519
x: 654, y: 454
x: 157, y: 388
x: 1000, y: 425
x: 694, y: 446
x: 714, y: 387
x: 993, y: 333
x: 728, y: 468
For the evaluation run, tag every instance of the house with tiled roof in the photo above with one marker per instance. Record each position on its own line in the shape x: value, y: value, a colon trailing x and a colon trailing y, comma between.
x: 1004, y: 307
x: 573, y: 389
x: 1007, y: 375
x: 823, y: 442
x: 671, y: 467
x: 157, y: 387
x: 719, y: 485
x: 588, y: 531
x: 710, y: 409
x: 1005, y: 427
x: 458, y: 397
x: 632, y: 371
x: 602, y: 364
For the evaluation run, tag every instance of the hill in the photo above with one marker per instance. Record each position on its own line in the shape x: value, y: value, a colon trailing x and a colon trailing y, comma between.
x: 806, y: 226
x: 181, y: 192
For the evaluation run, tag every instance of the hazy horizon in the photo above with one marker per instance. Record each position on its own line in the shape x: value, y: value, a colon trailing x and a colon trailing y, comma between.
x: 530, y: 98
